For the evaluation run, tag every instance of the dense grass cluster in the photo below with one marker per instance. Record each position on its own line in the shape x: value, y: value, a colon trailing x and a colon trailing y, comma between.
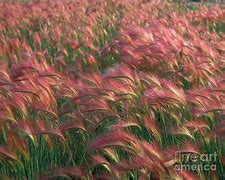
x: 110, y: 89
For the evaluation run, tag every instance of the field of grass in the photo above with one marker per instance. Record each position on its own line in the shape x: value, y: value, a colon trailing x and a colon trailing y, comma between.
x: 111, y: 89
